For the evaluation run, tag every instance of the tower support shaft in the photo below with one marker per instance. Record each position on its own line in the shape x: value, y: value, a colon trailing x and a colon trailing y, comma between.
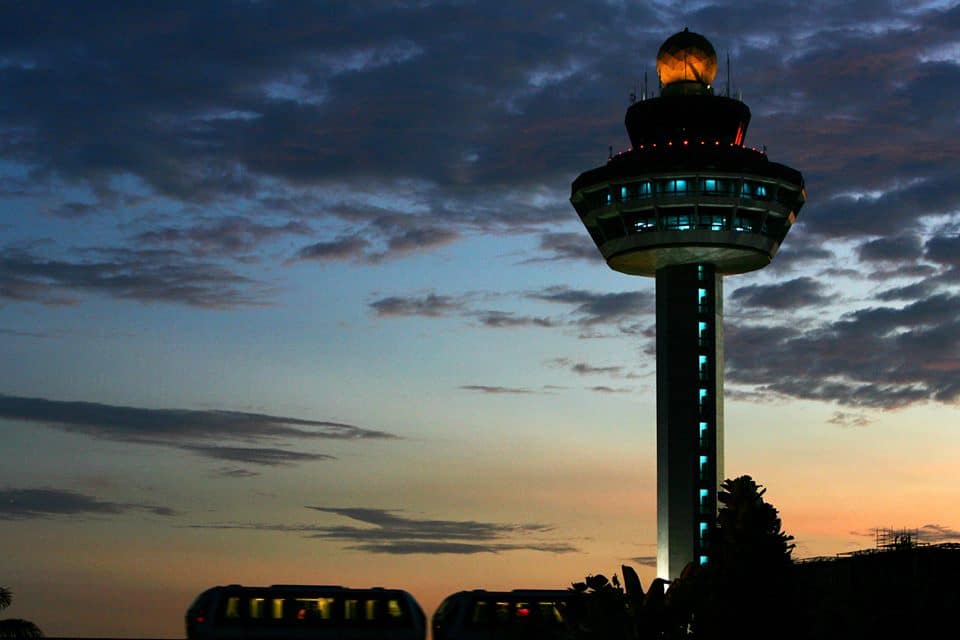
x: 689, y: 413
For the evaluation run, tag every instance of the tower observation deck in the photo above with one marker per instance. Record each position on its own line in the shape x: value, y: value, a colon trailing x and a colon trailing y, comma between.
x: 688, y: 203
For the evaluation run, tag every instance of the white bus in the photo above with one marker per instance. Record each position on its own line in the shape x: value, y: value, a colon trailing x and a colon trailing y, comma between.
x: 304, y: 612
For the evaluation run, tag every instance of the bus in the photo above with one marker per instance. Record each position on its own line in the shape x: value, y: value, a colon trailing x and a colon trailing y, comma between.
x: 304, y: 612
x: 536, y: 614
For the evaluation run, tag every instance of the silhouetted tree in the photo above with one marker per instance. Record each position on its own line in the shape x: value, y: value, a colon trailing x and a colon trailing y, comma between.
x: 13, y: 627
x: 745, y: 591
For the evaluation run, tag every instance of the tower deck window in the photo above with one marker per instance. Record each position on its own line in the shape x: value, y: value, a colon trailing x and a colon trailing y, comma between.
x: 678, y: 222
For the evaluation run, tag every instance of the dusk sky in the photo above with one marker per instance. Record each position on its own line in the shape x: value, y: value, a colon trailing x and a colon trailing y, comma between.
x: 293, y: 293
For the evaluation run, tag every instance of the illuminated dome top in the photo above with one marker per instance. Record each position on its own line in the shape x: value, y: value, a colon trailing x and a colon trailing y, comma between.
x: 686, y: 57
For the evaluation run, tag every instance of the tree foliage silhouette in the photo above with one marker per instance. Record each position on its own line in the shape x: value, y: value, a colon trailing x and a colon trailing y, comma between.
x: 745, y: 590
x: 14, y: 627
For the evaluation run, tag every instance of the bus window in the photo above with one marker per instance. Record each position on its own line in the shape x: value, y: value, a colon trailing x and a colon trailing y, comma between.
x: 480, y: 617
x: 277, y: 609
x: 550, y: 613
x: 522, y: 609
x: 394, y: 610
x: 350, y: 608
x: 502, y: 615
x: 232, y: 610
x: 370, y: 610
x: 314, y: 609
x: 256, y: 608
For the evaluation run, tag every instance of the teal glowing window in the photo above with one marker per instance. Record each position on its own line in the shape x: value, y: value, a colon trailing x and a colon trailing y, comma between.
x: 703, y: 529
x: 742, y: 223
x: 645, y: 189
x: 703, y: 430
x: 623, y: 193
x: 609, y: 197
x: 681, y: 185
x: 703, y: 395
x: 714, y: 223
x: 701, y: 296
x: 699, y: 272
x: 761, y: 191
x: 703, y: 463
x: 709, y: 184
x: 704, y: 494
x: 702, y: 333
x: 646, y: 223
x: 702, y: 361
x: 678, y: 222
x: 703, y: 560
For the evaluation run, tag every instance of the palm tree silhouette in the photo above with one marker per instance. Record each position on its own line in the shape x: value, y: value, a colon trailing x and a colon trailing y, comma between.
x: 14, y: 627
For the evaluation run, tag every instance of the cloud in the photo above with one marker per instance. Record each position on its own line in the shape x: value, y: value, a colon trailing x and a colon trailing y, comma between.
x: 595, y: 308
x: 235, y: 472
x: 430, y: 305
x: 23, y: 334
x: 903, y: 248
x: 256, y: 455
x: 797, y: 254
x: 567, y: 246
x: 232, y: 236
x: 791, y: 295
x: 459, y: 548
x: 144, y: 275
x: 496, y: 390
x: 386, y: 532
x: 937, y: 533
x: 202, y: 432
x: 343, y: 248
x: 845, y: 419
x: 606, y: 389
x: 28, y: 504
x: 408, y: 241
x: 944, y: 249
x: 508, y: 320
x: 910, y: 292
x: 582, y: 368
x: 644, y: 561
x: 398, y: 238
x: 876, y: 357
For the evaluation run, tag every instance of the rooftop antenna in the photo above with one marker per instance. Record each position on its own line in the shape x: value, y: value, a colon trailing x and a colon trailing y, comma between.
x: 728, y: 73
x: 644, y: 83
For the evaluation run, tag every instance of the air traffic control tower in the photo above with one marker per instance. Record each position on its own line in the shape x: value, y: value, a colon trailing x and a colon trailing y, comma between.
x: 688, y: 204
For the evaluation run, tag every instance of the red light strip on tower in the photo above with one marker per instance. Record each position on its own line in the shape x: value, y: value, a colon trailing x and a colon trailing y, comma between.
x: 738, y: 140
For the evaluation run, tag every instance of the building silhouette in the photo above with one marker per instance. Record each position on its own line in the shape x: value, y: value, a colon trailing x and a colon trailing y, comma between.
x: 687, y: 204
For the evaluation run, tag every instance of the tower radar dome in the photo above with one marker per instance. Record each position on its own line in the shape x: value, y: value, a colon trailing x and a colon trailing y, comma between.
x: 686, y: 57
